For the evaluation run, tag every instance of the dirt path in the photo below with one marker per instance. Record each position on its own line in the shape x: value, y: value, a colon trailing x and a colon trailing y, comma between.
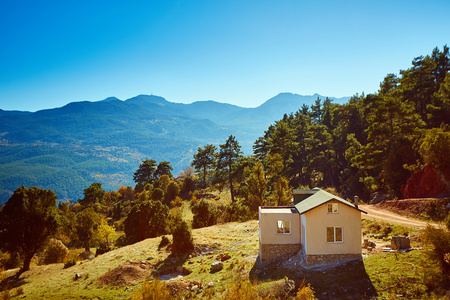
x: 388, y: 216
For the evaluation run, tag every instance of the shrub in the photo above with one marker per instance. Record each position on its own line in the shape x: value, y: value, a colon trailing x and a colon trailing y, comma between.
x: 55, y: 252
x: 236, y: 211
x: 164, y: 242
x: 146, y: 220
x: 436, y: 211
x: 154, y: 290
x: 204, y: 214
x: 103, y: 248
x: 305, y: 292
x: 122, y: 241
x: 70, y: 263
x: 183, y: 242
x: 439, y: 238
x: 9, y: 260
x: 241, y: 290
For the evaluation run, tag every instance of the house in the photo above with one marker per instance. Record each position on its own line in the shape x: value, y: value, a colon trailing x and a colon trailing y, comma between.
x: 325, y: 227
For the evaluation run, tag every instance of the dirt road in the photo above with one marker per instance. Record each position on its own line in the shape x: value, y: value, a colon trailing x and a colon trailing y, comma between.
x: 388, y: 216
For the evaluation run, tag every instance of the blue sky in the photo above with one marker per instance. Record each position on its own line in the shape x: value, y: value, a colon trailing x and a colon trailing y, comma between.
x: 239, y: 52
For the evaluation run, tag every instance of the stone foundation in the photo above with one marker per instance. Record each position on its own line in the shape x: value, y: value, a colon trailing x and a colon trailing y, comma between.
x: 328, y: 258
x: 271, y: 251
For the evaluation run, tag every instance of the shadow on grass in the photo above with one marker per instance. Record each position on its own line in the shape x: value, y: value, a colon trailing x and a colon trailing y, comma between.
x: 347, y: 280
x: 12, y: 281
x: 171, y: 264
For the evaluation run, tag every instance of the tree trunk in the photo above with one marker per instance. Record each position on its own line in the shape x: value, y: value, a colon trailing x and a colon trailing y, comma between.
x: 204, y: 177
x: 231, y: 189
x: 26, y: 262
x: 230, y: 178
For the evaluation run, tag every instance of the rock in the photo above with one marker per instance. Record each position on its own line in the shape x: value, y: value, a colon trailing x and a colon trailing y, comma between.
x: 78, y: 276
x: 149, y: 258
x: 289, y: 285
x: 216, y: 266
x: 426, y: 183
x: 211, y: 284
x: 194, y: 288
x: 223, y: 257
x: 377, y: 198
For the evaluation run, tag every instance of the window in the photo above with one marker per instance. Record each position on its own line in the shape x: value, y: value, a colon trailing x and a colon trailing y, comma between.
x: 333, y: 208
x: 283, y: 227
x: 335, y: 235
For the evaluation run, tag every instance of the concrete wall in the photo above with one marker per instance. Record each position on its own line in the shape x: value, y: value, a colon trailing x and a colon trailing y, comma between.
x: 327, y: 258
x: 317, y: 221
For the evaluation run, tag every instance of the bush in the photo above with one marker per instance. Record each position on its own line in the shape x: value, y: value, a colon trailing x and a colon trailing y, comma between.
x: 146, y: 220
x: 236, y: 211
x: 9, y: 260
x: 55, y: 252
x: 204, y: 214
x: 305, y: 292
x: 70, y: 263
x: 183, y: 242
x: 436, y: 211
x: 103, y: 248
x: 154, y: 290
x: 439, y: 238
x: 164, y: 242
x: 122, y: 241
x: 241, y: 290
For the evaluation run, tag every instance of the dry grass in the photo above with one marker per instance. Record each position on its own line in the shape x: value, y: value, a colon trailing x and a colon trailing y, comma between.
x: 382, y: 275
x: 52, y: 281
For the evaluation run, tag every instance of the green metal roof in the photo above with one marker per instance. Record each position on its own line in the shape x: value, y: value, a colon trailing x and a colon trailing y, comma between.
x: 317, y: 198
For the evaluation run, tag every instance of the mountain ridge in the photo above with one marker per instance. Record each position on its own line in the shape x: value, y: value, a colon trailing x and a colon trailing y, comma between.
x: 104, y: 141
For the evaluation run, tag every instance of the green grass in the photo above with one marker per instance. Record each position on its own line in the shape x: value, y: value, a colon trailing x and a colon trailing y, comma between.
x: 410, y: 274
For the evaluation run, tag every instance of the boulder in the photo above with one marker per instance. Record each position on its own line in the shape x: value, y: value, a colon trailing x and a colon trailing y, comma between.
x: 427, y: 183
x: 216, y: 266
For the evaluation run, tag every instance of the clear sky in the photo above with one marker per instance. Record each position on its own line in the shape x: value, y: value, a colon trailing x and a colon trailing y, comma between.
x: 240, y: 52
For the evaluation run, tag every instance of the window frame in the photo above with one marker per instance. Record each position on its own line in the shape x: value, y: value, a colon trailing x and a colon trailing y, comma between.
x: 334, y: 234
x: 283, y: 227
x: 333, y: 205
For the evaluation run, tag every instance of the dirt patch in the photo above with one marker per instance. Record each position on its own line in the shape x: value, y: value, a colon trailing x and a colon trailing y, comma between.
x: 411, y: 207
x: 128, y: 273
x: 380, y: 213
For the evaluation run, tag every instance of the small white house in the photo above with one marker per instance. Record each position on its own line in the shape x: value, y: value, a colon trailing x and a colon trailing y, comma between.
x: 326, y: 227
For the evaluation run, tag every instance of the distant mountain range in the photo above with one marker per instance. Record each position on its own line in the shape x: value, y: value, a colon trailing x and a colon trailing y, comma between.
x: 66, y: 149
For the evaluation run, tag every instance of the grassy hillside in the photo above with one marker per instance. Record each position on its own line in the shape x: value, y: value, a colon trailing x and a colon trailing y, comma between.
x: 382, y: 275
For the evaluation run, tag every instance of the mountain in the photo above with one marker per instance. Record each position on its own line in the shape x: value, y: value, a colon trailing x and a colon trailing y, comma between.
x: 4, y: 113
x: 67, y: 148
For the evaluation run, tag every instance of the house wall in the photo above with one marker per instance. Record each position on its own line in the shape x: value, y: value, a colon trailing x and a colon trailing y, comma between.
x: 317, y: 221
x: 303, y: 230
x: 268, y: 228
x: 273, y: 245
